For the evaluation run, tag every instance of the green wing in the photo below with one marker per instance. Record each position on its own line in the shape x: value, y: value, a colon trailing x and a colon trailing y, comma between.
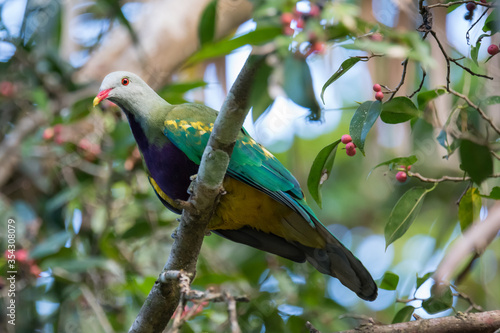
x: 250, y: 162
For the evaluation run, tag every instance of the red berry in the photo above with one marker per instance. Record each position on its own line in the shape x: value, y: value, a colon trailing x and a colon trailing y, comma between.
x: 286, y: 18
x: 379, y: 96
x: 377, y: 87
x: 351, y: 152
x: 7, y: 89
x: 350, y: 146
x: 48, y: 133
x: 318, y: 47
x: 288, y: 31
x: 470, y: 6
x: 484, y: 1
x: 377, y: 37
x: 345, y: 139
x: 401, y: 176
x: 300, y: 23
x: 493, y: 49
x: 408, y: 168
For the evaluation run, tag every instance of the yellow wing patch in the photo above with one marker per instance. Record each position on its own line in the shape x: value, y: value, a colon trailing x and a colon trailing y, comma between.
x: 185, y: 125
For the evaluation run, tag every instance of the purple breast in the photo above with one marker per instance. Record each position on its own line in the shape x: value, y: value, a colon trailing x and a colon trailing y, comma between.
x: 168, y: 165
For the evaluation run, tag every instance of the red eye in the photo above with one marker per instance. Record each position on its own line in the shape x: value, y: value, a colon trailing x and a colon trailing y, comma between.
x: 125, y: 81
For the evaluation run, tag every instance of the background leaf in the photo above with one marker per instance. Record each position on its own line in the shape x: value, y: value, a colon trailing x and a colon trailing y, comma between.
x: 476, y: 160
x: 344, y: 67
x: 298, y: 85
x: 404, y: 213
x: 206, y: 28
x: 398, y: 110
x: 494, y: 194
x: 362, y: 121
x: 438, y: 302
x: 403, y: 315
x: 406, y: 161
x: 216, y: 49
x: 259, y: 98
x: 425, y: 97
x: 389, y: 281
x: 320, y: 170
x: 469, y: 208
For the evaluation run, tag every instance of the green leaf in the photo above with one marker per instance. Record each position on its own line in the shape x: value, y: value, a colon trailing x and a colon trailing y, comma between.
x: 476, y: 160
x: 469, y: 208
x: 344, y: 67
x: 494, y: 194
x: 438, y: 302
x: 206, y: 29
x: 474, y: 52
x: 139, y: 229
x: 491, y: 100
x: 403, y: 315
x: 406, y: 161
x: 225, y: 46
x: 80, y: 109
x: 362, y: 121
x: 398, y: 110
x: 79, y: 265
x: 50, y: 245
x: 404, y: 213
x: 298, y: 85
x: 389, y: 281
x: 259, y: 98
x: 320, y: 170
x: 421, y: 280
x: 425, y: 97
x: 491, y: 23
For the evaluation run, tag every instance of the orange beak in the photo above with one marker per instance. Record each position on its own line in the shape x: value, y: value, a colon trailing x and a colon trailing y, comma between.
x: 101, y: 95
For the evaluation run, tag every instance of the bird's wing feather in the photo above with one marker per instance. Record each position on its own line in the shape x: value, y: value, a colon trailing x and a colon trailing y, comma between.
x: 250, y: 163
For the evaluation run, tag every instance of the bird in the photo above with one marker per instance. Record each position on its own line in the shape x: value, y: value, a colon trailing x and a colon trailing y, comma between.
x: 263, y: 205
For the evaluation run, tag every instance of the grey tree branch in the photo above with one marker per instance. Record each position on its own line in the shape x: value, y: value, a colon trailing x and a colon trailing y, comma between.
x: 164, y: 297
x: 481, y: 322
x: 475, y: 240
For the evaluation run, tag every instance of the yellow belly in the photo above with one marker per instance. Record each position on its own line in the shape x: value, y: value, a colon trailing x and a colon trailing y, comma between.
x: 244, y: 205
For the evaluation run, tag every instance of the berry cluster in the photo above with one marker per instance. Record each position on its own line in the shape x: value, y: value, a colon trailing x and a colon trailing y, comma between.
x: 379, y: 95
x: 296, y: 20
x: 350, y: 147
x: 402, y: 174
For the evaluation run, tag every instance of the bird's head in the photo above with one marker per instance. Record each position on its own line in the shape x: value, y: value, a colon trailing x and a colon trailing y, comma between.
x: 129, y: 92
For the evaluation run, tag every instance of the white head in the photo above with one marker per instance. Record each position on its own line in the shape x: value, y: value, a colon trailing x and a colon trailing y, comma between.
x: 130, y: 93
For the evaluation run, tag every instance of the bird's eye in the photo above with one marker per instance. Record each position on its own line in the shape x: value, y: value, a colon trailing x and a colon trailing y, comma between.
x: 125, y: 81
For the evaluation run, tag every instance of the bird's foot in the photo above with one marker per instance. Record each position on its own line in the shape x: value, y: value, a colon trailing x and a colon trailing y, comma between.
x: 208, y: 232
x: 193, y: 177
x: 187, y: 206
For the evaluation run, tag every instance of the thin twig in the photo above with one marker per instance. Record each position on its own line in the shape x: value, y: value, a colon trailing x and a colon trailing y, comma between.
x: 233, y: 316
x: 403, y: 76
x: 424, y: 74
x: 445, y: 57
x: 468, y: 70
x: 477, y: 108
x: 444, y: 178
x: 453, y: 3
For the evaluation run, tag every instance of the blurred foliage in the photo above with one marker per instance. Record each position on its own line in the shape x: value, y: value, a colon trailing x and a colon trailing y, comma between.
x: 95, y: 236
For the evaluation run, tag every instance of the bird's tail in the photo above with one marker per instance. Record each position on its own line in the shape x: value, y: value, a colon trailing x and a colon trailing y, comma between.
x: 336, y: 260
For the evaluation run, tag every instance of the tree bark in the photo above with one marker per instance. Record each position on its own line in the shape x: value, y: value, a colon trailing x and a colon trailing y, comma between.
x: 164, y: 297
x: 481, y: 322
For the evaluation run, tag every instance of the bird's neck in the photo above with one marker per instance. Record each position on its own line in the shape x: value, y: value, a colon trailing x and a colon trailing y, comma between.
x: 147, y: 131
